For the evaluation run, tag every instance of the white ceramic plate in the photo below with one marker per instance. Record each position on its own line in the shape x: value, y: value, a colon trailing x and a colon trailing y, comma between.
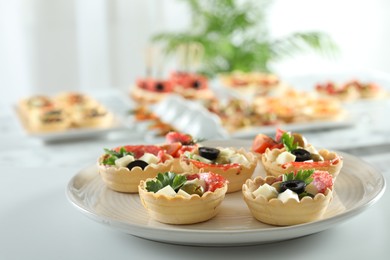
x: 358, y: 186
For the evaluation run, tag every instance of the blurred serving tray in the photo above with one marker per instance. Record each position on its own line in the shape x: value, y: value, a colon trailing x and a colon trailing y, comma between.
x: 192, y: 118
x: 116, y: 105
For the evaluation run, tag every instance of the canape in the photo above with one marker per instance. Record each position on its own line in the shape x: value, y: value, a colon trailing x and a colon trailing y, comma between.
x: 183, y: 198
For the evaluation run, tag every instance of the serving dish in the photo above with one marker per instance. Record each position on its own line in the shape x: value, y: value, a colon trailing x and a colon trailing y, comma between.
x: 358, y: 186
x: 72, y: 133
x: 116, y: 105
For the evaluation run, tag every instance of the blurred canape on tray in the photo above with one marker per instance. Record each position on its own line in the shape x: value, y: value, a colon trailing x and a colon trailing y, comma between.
x: 143, y: 113
x: 351, y: 90
x: 185, y: 81
x: 289, y: 107
x: 252, y: 83
x: 67, y: 110
x: 189, y: 85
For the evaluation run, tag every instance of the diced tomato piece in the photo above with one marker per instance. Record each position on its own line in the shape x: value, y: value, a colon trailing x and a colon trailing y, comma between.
x: 262, y: 142
x: 172, y: 149
x: 173, y: 137
x: 185, y: 148
x: 162, y: 156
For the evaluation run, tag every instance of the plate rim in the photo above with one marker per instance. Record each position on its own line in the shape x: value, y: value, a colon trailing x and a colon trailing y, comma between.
x: 318, y: 225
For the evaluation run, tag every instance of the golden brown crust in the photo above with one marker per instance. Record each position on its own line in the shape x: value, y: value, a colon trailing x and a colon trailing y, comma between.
x: 61, y: 113
x: 124, y: 180
x: 179, y: 209
x: 144, y: 96
x: 292, y: 212
x: 332, y: 163
x: 236, y: 176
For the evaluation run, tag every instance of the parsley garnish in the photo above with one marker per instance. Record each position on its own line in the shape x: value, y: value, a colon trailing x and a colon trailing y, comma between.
x: 169, y: 178
x: 114, y: 155
x: 288, y: 142
x: 302, y: 175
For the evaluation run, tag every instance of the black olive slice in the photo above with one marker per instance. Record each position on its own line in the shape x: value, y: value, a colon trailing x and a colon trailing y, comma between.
x: 301, y: 155
x: 196, y: 84
x: 209, y: 152
x: 159, y: 86
x: 296, y: 186
x: 139, y: 163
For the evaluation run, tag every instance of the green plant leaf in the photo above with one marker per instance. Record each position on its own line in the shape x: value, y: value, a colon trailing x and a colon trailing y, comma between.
x: 234, y: 35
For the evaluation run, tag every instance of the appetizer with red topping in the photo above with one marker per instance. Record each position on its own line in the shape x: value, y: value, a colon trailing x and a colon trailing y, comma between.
x: 122, y: 168
x: 291, y: 152
x: 293, y: 198
x: 178, y: 143
x: 191, y: 85
x: 151, y: 90
x: 35, y: 103
x: 351, y: 90
x: 188, y: 85
x: 235, y: 165
x: 183, y: 198
x: 254, y: 83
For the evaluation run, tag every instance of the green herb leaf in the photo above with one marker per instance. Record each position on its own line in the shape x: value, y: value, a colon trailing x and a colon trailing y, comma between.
x: 164, y: 179
x: 114, y: 155
x: 302, y: 175
x: 288, y: 142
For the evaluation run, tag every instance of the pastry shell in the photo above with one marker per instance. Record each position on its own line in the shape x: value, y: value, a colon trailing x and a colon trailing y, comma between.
x: 292, y: 212
x: 99, y: 121
x: 236, y: 176
x: 176, y: 166
x: 332, y: 163
x: 179, y: 209
x: 124, y: 180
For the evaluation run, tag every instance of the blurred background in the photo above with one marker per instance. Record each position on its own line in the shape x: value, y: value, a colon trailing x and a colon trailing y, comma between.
x: 51, y: 45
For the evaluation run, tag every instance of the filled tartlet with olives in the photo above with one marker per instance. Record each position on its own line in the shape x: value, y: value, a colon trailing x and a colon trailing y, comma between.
x: 289, y: 199
x: 183, y: 198
x: 177, y: 143
x: 122, y: 168
x: 235, y: 165
x: 290, y: 152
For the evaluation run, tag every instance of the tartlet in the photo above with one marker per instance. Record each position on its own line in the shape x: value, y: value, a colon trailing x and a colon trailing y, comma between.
x: 172, y: 206
x: 235, y: 165
x: 291, y: 152
x: 47, y: 119
x: 91, y: 116
x: 177, y: 143
x: 123, y: 173
x: 332, y: 163
x: 63, y: 112
x: 266, y: 203
x: 254, y: 83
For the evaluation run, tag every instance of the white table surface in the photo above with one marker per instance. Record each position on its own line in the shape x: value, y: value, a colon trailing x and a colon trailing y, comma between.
x: 38, y: 222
